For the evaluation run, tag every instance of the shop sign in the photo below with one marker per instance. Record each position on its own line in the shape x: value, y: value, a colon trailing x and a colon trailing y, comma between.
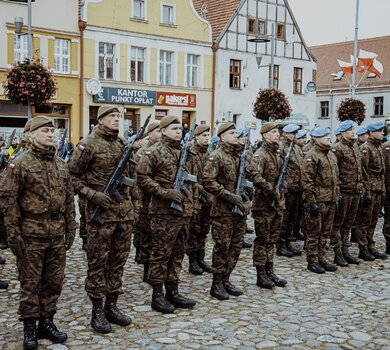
x: 175, y: 99
x: 125, y: 96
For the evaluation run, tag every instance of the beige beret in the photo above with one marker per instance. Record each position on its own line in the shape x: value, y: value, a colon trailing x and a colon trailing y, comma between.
x: 225, y: 127
x: 40, y: 121
x: 200, y: 129
x: 168, y: 120
x: 153, y: 126
x: 27, y: 126
x: 106, y: 110
x: 267, y: 127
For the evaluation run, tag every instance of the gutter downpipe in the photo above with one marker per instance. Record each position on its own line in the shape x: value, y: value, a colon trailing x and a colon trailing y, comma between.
x: 215, y: 49
x: 82, y: 26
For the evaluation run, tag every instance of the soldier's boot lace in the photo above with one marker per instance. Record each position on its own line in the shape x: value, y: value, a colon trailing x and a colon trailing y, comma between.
x: 202, y: 263
x: 145, y: 277
x: 328, y: 266
x: 48, y: 330
x: 159, y: 303
x: 269, y: 270
x: 349, y: 258
x: 263, y: 280
x: 366, y: 255
x: 315, y: 267
x: 378, y: 255
x: 295, y: 251
x: 339, y: 258
x: 30, y: 334
x: 113, y: 314
x: 175, y: 298
x: 230, y: 288
x: 194, y: 268
x: 217, y: 289
x: 98, y: 320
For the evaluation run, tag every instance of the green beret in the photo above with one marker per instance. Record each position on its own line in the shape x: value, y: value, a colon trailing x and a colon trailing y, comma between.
x: 106, y: 110
x: 27, y: 126
x: 152, y: 126
x: 40, y: 121
x: 200, y: 129
x: 267, y: 127
x: 168, y: 120
x: 225, y: 127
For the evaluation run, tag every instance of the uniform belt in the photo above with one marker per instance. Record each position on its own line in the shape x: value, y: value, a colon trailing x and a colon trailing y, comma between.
x: 53, y: 215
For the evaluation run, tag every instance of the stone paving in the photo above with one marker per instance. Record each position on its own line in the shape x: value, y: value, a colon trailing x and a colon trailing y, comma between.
x: 349, y: 309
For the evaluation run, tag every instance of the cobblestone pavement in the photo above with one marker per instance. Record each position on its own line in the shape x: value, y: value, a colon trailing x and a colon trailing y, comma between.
x: 349, y: 309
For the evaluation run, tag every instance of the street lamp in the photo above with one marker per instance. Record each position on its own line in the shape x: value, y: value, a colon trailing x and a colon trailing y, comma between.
x: 18, y: 25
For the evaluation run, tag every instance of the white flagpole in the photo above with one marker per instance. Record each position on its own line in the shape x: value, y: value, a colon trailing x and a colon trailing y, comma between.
x: 355, y: 50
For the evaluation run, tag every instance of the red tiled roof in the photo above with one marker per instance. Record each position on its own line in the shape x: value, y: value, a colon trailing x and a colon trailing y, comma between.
x: 219, y: 12
x: 327, y: 64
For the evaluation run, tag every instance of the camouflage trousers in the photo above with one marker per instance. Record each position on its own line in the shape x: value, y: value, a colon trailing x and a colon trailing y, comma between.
x: 343, y: 220
x: 319, y: 229
x: 366, y: 221
x: 267, y: 228
x: 41, y: 276
x: 199, y: 229
x: 291, y: 216
x: 228, y: 235
x: 145, y: 233
x: 169, y: 240
x: 107, y: 252
x: 3, y: 234
x: 386, y: 224
x: 83, y: 220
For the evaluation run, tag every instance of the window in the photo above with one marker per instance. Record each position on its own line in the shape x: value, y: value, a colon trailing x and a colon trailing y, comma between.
x: 106, y: 61
x: 251, y: 26
x: 276, y: 75
x: 166, y: 61
x: 193, y: 70
x: 324, y: 109
x: 298, y: 80
x: 20, y: 48
x: 378, y: 105
x: 235, y: 74
x: 280, y: 31
x: 168, y: 14
x: 62, y: 56
x: 261, y: 27
x: 139, y: 9
x: 137, y: 64
x: 314, y: 75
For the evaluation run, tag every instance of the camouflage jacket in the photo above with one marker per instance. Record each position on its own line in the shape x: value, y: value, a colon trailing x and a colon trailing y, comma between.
x: 40, y: 196
x: 386, y: 159
x: 220, y: 177
x: 306, y: 148
x: 350, y: 166
x: 294, y: 168
x: 91, y: 165
x: 373, y: 167
x: 156, y: 172
x: 320, y: 176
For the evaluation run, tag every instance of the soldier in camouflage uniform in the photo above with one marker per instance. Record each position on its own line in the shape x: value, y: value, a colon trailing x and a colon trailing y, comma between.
x: 267, y: 207
x: 156, y: 171
x: 200, y: 221
x: 362, y: 135
x: 219, y: 179
x: 40, y: 223
x: 108, y: 248
x: 386, y: 224
x: 374, y: 188
x: 351, y: 188
x: 320, y: 180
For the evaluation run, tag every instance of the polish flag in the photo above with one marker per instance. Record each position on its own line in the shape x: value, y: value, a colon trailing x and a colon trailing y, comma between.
x: 366, y: 58
x: 346, y: 67
x: 360, y: 69
x: 376, y: 68
x: 338, y: 75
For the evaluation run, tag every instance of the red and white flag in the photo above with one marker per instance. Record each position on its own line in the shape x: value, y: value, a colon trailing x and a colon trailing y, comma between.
x: 346, y: 67
x: 360, y: 69
x: 376, y: 68
x: 338, y: 75
x: 366, y: 58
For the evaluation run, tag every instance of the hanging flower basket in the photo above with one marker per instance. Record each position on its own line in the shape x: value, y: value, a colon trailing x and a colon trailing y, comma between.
x: 29, y: 82
x: 352, y: 109
x: 271, y: 104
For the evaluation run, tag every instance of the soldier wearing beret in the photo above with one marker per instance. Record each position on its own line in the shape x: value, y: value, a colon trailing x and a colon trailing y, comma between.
x: 351, y: 188
x: 40, y: 223
x: 219, y: 179
x: 267, y: 207
x: 200, y: 221
x: 108, y: 243
x: 320, y: 180
x: 362, y: 135
x: 156, y: 171
x: 373, y: 189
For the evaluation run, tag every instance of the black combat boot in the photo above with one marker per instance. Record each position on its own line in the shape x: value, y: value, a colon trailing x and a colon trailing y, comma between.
x: 353, y: 236
x: 388, y: 247
x: 203, y: 264
x: 2, y: 260
x: 3, y: 243
x: 316, y: 268
x: 366, y: 255
x: 249, y: 231
x: 298, y: 234
x: 98, y: 320
x: 269, y: 270
x: 159, y: 303
x: 328, y: 266
x: 194, y: 268
x: 175, y: 298
x: 217, y: 289
x: 146, y: 272
x: 283, y: 251
x: 85, y: 245
x: 137, y: 257
x: 349, y: 258
x: 246, y: 245
x: 113, y: 314
x: 378, y: 255
x: 230, y: 288
x: 263, y: 280
x: 339, y: 258
x: 295, y: 251
x: 48, y: 330
x: 3, y: 285
x: 30, y: 334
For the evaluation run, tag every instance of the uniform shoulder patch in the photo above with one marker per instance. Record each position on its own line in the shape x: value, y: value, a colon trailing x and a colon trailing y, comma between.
x: 364, y: 151
x: 148, y: 152
x: 211, y: 158
x: 333, y: 149
x: 80, y: 147
x: 387, y: 148
x: 11, y: 165
x: 309, y: 160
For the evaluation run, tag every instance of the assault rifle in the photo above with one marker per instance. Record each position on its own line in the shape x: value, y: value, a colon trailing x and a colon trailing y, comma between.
x: 283, y: 171
x: 117, y: 179
x: 242, y: 182
x: 61, y: 150
x: 182, y: 176
x: 6, y: 147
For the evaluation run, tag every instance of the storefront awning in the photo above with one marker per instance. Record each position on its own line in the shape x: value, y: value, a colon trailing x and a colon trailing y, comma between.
x: 295, y: 118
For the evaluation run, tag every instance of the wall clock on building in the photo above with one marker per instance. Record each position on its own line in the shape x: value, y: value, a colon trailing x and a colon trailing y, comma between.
x: 311, y: 86
x: 93, y: 86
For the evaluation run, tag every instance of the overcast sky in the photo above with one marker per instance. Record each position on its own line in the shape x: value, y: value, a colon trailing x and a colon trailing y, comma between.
x: 330, y: 21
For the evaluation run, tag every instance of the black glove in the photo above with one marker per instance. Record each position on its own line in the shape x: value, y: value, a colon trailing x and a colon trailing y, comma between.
x: 102, y: 200
x: 69, y: 239
x: 173, y: 195
x: 17, y: 246
x: 314, y: 210
x: 365, y: 201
